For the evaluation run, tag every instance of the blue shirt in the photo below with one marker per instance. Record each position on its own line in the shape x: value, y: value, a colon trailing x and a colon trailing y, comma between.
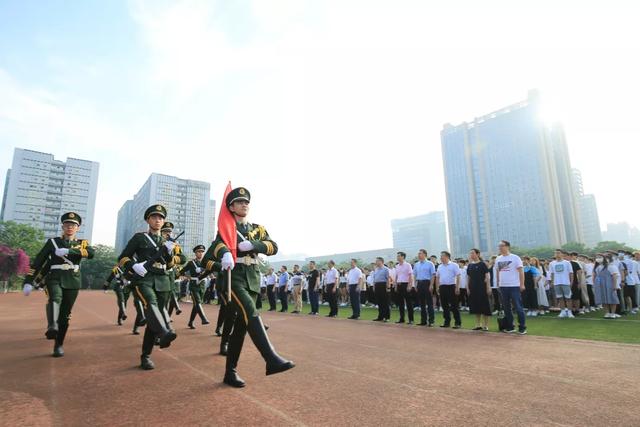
x: 381, y: 274
x: 424, y: 270
x: 532, y: 269
x: 284, y: 278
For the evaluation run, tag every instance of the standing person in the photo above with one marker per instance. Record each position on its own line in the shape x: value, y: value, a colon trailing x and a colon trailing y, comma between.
x: 119, y: 289
x: 629, y: 291
x: 331, y: 279
x: 587, y: 265
x: 607, y: 281
x: 479, y: 288
x: 355, y: 280
x: 245, y: 284
x: 343, y: 295
x: 371, y: 297
x: 531, y: 278
x: 463, y: 285
x: 576, y: 283
x: 510, y: 278
x: 437, y: 306
x: 561, y: 279
x: 193, y: 269
x: 424, y: 273
x: 404, y: 287
x: 636, y: 257
x: 283, y: 283
x: 543, y: 302
x: 313, y: 279
x: 448, y: 286
x: 382, y: 285
x: 495, y: 293
x: 153, y: 255
x: 271, y: 293
x: 296, y: 281
x: 62, y: 255
x: 393, y: 294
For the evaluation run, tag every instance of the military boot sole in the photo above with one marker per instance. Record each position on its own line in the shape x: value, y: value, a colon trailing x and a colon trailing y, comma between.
x: 234, y: 381
x: 51, y: 334
x: 280, y: 368
x: 58, y: 351
x: 166, y: 340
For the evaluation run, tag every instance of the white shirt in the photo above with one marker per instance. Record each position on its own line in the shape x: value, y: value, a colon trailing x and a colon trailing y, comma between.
x: 354, y: 275
x: 447, y: 273
x: 370, y: 279
x: 560, y: 271
x: 463, y: 277
x: 508, y: 267
x: 392, y: 274
x: 330, y: 276
x: 588, y: 273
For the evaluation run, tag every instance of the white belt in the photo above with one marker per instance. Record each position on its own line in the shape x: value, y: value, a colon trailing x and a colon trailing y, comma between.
x: 65, y: 267
x: 246, y: 260
x: 159, y: 266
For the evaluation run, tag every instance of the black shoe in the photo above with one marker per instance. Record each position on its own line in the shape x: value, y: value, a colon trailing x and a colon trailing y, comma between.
x: 190, y: 325
x: 430, y: 325
x: 224, y: 348
x: 410, y: 322
x: 400, y: 321
x: 422, y: 323
x: 445, y: 326
x: 165, y: 340
x: 272, y: 309
x: 119, y: 321
x: 58, y: 351
x: 51, y: 334
x: 457, y: 326
x: 378, y: 320
x: 218, y: 333
x: 124, y: 316
x: 205, y: 322
x: 146, y: 363
x: 477, y: 328
x: 386, y: 320
x: 178, y: 312
x: 135, y: 331
x: 233, y: 379
x: 522, y: 331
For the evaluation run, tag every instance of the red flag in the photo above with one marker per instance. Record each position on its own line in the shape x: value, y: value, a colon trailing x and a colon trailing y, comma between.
x: 227, y: 225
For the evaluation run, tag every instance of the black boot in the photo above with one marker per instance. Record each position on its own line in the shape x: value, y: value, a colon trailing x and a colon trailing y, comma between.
x: 140, y: 311
x: 231, y: 377
x: 53, y: 308
x: 192, y: 317
x: 176, y: 304
x: 123, y: 311
x: 146, y: 363
x: 58, y: 351
x: 203, y: 317
x: 157, y: 325
x: 258, y: 334
x: 224, y: 348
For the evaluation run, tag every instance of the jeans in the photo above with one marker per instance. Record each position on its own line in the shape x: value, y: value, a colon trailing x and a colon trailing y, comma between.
x: 313, y: 299
x: 512, y: 294
x: 354, y: 296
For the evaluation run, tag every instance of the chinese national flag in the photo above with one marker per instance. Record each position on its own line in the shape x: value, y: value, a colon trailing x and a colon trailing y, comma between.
x: 227, y: 225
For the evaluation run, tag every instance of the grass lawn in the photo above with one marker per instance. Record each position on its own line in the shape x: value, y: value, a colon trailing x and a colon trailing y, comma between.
x: 590, y: 326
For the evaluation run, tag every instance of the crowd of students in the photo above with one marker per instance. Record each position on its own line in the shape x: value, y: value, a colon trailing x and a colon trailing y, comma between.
x: 570, y: 285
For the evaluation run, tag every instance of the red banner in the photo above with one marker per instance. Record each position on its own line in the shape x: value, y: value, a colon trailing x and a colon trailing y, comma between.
x: 227, y: 224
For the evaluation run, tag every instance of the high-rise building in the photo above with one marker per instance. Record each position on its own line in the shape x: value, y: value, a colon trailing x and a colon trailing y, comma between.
x: 39, y: 189
x: 623, y: 232
x: 508, y: 176
x: 587, y: 212
x: 188, y: 204
x: 427, y: 231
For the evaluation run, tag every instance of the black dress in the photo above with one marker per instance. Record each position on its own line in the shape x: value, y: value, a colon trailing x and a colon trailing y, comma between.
x: 478, y: 299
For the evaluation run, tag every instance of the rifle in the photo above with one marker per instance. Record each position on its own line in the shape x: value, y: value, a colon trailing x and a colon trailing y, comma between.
x: 41, y: 274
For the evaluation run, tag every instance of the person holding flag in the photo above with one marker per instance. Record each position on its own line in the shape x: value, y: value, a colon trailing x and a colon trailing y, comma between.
x: 236, y: 247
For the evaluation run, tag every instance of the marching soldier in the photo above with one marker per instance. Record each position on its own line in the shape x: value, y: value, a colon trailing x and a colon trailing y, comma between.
x: 149, y: 256
x: 173, y: 304
x: 119, y: 287
x: 245, y: 285
x: 62, y: 256
x: 193, y: 269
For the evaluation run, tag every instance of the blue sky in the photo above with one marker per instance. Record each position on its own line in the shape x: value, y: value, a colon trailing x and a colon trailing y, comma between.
x: 328, y: 104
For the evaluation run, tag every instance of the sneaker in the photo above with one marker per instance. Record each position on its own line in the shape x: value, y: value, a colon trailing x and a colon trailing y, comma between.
x: 570, y: 315
x: 608, y: 316
x: 534, y: 314
x: 485, y: 329
x: 477, y: 328
x: 386, y: 320
x: 522, y: 331
x: 378, y: 320
x: 616, y: 315
x: 457, y: 326
x: 510, y: 331
x: 562, y: 314
x: 494, y: 313
x: 444, y: 326
x: 400, y: 321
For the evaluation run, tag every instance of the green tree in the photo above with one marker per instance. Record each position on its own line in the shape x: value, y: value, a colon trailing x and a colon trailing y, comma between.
x: 580, y: 248
x: 610, y: 245
x: 96, y: 270
x: 21, y: 236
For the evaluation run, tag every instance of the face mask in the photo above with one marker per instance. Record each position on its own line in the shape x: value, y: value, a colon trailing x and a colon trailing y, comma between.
x: 599, y: 260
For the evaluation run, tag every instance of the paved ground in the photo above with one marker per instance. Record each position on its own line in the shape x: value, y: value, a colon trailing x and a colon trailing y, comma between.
x: 348, y: 373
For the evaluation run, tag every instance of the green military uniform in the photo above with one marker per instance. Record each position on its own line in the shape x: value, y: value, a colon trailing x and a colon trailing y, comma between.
x: 119, y: 288
x: 173, y: 296
x: 245, y: 285
x: 63, y: 281
x: 153, y: 286
x: 193, y: 269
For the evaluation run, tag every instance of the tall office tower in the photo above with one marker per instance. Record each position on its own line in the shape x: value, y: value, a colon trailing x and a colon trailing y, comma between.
x: 587, y: 212
x: 39, y: 189
x: 189, y: 208
x: 427, y: 232
x: 508, y: 176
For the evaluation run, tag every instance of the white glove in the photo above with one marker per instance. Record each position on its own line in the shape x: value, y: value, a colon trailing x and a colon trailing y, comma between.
x: 245, y: 246
x: 198, y: 270
x: 169, y: 245
x: 26, y: 289
x: 139, y: 269
x: 62, y: 252
x: 227, y: 261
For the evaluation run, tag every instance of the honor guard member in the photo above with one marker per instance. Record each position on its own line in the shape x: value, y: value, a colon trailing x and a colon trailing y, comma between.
x: 226, y: 320
x: 63, y: 281
x: 253, y: 239
x: 173, y: 304
x: 193, y: 269
x: 149, y: 256
x: 119, y: 288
